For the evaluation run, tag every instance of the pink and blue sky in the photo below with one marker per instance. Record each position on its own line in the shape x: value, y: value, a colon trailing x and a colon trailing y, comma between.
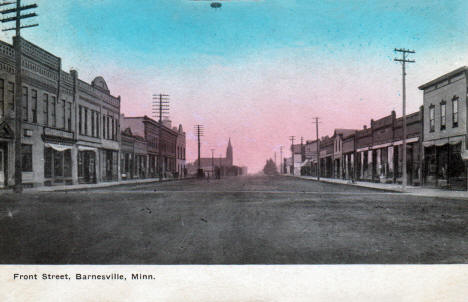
x: 257, y: 71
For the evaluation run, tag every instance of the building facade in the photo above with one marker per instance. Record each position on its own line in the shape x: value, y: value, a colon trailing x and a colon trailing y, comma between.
x: 66, y: 132
x: 158, y: 146
x: 445, y: 130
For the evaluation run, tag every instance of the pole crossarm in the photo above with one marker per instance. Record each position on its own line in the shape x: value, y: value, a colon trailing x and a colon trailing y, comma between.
x: 14, y: 10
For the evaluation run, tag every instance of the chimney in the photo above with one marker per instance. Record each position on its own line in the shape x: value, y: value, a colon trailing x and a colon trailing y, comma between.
x: 167, y: 123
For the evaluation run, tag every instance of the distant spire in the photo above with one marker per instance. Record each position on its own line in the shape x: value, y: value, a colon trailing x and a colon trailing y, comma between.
x: 229, y: 155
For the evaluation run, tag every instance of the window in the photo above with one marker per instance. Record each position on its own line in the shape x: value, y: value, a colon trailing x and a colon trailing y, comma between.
x: 69, y: 119
x: 11, y: 96
x: 108, y: 128
x: 2, y: 100
x: 26, y: 158
x: 46, y: 109
x: 92, y: 124
x: 455, y: 112
x: 80, y: 120
x: 97, y: 124
x: 34, y: 105
x: 86, y: 121
x: 64, y: 104
x: 25, y: 101
x: 54, y: 111
x: 104, y: 126
x: 113, y: 128
x: 442, y: 115
x: 431, y: 118
x: 57, y: 163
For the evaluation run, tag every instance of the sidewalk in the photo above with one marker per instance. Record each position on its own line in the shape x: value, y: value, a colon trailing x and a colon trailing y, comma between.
x: 94, y: 186
x: 410, y: 190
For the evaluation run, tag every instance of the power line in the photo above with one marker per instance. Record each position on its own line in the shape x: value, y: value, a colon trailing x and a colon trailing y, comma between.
x: 403, y: 62
x: 160, y: 110
x: 17, y: 17
x: 199, y: 131
x: 160, y: 107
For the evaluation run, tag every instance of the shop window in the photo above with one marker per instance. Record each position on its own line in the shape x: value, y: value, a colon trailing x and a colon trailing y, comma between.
x: 67, y: 164
x: 431, y: 118
x: 48, y: 152
x: 80, y: 164
x: 26, y: 158
x: 57, y: 163
x: 442, y: 115
x: 455, y: 112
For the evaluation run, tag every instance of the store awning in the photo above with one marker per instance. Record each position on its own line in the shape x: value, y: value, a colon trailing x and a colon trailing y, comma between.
x: 408, y: 141
x: 58, y: 147
x: 85, y: 148
x: 443, y: 141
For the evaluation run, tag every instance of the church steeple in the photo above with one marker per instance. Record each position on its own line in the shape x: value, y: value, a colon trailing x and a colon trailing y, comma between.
x: 229, y: 157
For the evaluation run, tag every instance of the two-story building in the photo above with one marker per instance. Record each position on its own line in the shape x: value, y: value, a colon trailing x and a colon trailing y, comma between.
x: 48, y: 131
x: 161, y: 141
x: 70, y: 129
x: 445, y: 130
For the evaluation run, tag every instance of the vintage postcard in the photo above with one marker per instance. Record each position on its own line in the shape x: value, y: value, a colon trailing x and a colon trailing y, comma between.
x: 233, y: 150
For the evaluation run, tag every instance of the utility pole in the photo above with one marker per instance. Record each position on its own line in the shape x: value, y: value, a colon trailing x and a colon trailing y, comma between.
x: 212, y: 161
x: 18, y: 80
x: 403, y: 61
x: 302, y: 149
x: 160, y: 110
x: 199, y: 132
x: 291, y: 138
x: 220, y: 166
x: 318, y: 147
x: 281, y: 159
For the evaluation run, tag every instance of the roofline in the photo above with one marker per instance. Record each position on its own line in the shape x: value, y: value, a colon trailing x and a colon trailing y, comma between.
x: 443, y: 77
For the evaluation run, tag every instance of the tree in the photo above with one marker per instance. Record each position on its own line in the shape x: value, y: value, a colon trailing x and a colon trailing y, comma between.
x: 270, y: 168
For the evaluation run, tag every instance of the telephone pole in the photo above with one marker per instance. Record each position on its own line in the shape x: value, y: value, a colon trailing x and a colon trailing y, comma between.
x: 160, y: 110
x: 318, y: 147
x: 291, y: 138
x: 212, y: 161
x: 281, y: 159
x: 18, y: 79
x: 403, y: 61
x: 199, y: 130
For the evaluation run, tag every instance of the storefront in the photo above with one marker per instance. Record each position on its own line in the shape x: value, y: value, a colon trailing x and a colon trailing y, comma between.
x: 126, y: 165
x: 87, y: 164
x: 57, y: 164
x: 365, y: 164
x: 109, y: 165
x: 443, y: 164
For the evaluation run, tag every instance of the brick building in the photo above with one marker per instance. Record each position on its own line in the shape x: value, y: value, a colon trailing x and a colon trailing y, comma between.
x: 63, y: 131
